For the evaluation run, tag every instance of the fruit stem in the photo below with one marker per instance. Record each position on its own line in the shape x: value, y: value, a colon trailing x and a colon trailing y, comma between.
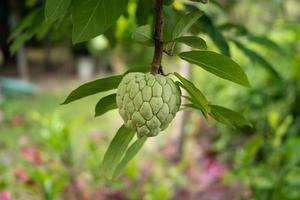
x: 156, y: 67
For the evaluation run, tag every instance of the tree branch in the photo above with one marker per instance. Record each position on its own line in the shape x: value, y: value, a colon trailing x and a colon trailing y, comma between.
x: 158, y: 38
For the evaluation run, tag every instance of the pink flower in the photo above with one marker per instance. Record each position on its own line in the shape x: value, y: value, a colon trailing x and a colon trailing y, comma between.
x: 21, y: 175
x: 5, y: 195
x: 23, y: 141
x: 213, y: 171
x: 17, y: 121
x: 32, y: 155
x: 96, y: 135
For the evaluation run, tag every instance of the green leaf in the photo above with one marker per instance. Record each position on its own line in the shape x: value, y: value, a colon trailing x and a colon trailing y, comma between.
x: 93, y: 17
x: 258, y: 39
x: 27, y: 28
x: 144, y: 11
x: 19, y: 41
x: 101, y: 85
x: 26, y: 23
x: 229, y: 117
x: 194, y: 105
x: 251, y: 148
x: 238, y: 29
x: 143, y: 34
x: 94, y: 87
x: 54, y: 9
x: 254, y: 57
x: 220, y: 118
x: 116, y: 150
x: 129, y: 155
x: 168, y: 2
x: 264, y: 41
x: 196, y: 94
x: 217, y: 64
x: 171, y: 18
x: 192, y: 100
x: 191, y: 105
x: 201, y: 1
x: 110, y: 34
x: 192, y: 41
x: 215, y: 34
x: 217, y: 4
x: 185, y: 23
x: 106, y: 104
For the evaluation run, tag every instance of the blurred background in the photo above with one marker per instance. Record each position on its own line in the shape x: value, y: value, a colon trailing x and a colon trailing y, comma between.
x: 49, y: 151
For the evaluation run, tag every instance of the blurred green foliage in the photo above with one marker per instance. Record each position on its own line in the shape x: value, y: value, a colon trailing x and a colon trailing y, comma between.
x: 262, y: 36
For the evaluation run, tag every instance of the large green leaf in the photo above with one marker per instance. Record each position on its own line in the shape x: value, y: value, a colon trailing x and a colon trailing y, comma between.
x: 94, y: 87
x: 54, y: 9
x: 196, y: 94
x: 192, y: 41
x: 215, y: 34
x: 93, y: 17
x: 106, y: 104
x: 217, y: 64
x: 227, y: 116
x: 185, y: 23
x: 116, y: 150
x: 130, y: 153
x: 143, y: 34
x: 254, y: 57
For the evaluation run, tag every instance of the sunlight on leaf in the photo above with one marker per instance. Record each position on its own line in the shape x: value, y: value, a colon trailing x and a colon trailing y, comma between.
x: 217, y: 64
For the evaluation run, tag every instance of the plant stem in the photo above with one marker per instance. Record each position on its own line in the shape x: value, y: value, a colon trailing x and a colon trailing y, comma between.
x: 158, y: 38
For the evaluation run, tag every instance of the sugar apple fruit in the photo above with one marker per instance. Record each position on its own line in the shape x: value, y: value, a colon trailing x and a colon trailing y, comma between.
x: 147, y: 103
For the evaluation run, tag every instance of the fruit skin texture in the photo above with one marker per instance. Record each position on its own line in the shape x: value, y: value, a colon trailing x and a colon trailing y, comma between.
x: 148, y: 103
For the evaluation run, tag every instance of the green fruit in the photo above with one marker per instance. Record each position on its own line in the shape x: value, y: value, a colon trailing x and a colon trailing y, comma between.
x: 148, y: 103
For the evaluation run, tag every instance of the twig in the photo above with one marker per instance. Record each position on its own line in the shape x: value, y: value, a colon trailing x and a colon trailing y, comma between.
x: 158, y: 38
